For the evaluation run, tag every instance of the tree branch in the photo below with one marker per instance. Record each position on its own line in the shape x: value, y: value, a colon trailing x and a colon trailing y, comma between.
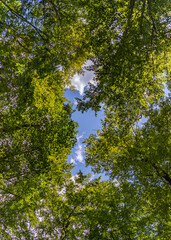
x: 152, y: 19
x: 131, y: 10
x: 54, y: 7
x: 66, y: 225
x: 25, y: 20
x: 164, y: 174
x: 160, y: 171
x: 142, y: 15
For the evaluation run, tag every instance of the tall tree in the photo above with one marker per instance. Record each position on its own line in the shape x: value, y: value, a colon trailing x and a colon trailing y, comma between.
x: 40, y: 50
x: 131, y: 46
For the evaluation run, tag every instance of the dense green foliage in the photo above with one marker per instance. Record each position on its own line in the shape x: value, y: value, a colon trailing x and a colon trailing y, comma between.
x: 43, y: 44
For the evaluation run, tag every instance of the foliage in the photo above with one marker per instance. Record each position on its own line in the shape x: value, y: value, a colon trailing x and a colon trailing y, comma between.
x: 37, y: 132
x: 131, y: 45
x: 91, y: 210
x: 139, y: 157
x: 43, y: 44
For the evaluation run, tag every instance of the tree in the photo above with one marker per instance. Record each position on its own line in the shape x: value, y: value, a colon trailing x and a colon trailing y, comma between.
x: 83, y: 209
x: 139, y: 156
x: 130, y: 42
x: 39, y: 53
x: 43, y: 43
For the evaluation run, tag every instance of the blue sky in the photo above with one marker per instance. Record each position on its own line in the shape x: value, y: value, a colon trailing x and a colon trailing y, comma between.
x: 88, y: 122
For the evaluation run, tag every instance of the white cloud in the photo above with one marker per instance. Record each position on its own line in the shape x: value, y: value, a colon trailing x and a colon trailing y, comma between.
x: 75, y: 103
x: 79, y: 153
x: 79, y: 137
x: 73, y: 161
x: 74, y: 177
x: 80, y: 81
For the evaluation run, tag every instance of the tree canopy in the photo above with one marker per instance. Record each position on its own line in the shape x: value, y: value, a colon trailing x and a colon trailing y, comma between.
x: 43, y: 44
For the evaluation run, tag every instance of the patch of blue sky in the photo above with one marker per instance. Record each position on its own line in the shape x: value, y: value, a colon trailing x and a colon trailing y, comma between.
x: 88, y: 123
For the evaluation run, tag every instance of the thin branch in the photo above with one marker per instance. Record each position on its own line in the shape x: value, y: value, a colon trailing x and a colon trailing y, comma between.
x: 160, y: 171
x: 56, y: 11
x: 142, y: 15
x: 152, y: 19
x: 23, y: 46
x: 131, y: 10
x: 25, y: 20
x: 15, y: 37
x: 66, y: 225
